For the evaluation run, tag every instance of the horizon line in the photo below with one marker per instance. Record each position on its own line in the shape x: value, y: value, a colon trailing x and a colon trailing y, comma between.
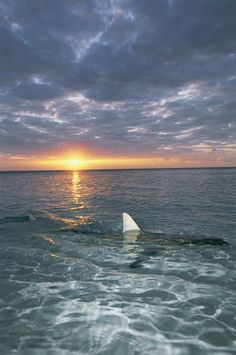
x: 114, y: 169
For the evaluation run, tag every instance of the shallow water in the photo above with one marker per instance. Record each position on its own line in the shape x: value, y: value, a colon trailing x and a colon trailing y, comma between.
x: 71, y: 284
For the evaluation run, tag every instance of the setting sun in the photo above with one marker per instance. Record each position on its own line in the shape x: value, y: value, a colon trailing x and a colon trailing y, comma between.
x: 74, y: 163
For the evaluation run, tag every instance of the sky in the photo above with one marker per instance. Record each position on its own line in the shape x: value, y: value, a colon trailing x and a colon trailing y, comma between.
x: 96, y: 84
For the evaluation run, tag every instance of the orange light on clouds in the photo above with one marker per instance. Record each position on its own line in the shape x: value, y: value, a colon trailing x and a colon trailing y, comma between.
x: 64, y: 163
x: 79, y: 161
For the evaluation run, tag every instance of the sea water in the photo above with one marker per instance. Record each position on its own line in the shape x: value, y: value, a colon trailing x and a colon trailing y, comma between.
x: 70, y: 283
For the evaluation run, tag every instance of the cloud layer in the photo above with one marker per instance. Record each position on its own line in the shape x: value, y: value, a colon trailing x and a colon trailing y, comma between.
x: 119, y: 77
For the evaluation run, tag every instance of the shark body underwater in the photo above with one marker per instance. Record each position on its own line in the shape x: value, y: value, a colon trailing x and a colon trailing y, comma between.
x: 138, y: 244
x: 132, y: 233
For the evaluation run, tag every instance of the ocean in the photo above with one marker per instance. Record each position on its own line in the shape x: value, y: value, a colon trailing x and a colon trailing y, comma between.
x: 71, y: 283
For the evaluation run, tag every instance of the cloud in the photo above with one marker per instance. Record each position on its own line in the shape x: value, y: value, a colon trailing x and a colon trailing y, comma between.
x: 126, y: 77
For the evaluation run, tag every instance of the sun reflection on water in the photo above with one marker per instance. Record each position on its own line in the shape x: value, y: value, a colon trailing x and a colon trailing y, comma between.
x: 49, y: 240
x: 76, y: 187
x: 77, y: 190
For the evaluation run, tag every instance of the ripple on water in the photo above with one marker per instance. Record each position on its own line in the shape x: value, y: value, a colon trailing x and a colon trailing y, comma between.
x: 68, y: 286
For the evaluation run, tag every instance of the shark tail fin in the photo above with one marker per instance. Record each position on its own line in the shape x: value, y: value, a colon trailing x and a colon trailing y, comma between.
x: 129, y: 224
x: 31, y: 217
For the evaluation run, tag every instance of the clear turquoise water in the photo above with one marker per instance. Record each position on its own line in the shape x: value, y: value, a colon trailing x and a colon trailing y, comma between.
x: 71, y: 284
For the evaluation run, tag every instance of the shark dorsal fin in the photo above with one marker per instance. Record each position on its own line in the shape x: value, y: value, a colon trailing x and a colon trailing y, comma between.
x: 129, y: 224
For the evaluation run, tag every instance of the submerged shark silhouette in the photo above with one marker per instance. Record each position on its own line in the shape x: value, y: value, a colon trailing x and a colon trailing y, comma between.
x: 132, y: 232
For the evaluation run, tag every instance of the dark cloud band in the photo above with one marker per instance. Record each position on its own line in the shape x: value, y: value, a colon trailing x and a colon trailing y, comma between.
x: 131, y: 77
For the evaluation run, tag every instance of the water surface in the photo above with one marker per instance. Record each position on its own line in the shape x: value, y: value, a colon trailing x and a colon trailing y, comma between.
x: 71, y: 284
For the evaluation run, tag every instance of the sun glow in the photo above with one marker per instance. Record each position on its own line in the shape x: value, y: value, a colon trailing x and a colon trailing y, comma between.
x: 74, y: 163
x: 66, y: 162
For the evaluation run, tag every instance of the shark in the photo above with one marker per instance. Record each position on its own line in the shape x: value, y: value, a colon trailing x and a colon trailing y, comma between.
x: 43, y: 221
x: 138, y: 245
x: 132, y: 233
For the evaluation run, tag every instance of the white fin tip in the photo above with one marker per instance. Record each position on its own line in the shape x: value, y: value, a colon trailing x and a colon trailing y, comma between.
x: 129, y: 224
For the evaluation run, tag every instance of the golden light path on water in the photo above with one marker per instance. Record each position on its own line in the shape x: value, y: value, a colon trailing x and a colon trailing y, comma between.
x: 78, y: 189
x: 75, y: 187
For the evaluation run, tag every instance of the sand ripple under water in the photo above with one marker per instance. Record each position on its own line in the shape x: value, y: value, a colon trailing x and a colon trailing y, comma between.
x: 71, y: 284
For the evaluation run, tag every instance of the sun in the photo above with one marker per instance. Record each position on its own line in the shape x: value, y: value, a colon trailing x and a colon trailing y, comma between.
x: 74, y: 163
